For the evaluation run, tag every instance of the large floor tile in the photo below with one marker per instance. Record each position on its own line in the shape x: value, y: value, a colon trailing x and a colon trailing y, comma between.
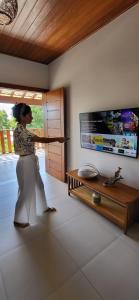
x: 77, y: 288
x: 7, y: 172
x: 12, y: 237
x: 2, y: 289
x: 55, y: 189
x: 7, y: 206
x: 35, y: 270
x: 65, y: 211
x: 6, y: 212
x: 104, y: 222
x: 115, y: 272
x: 84, y: 237
x: 8, y: 189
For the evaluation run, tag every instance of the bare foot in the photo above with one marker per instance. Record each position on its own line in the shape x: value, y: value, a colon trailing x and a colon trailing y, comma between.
x: 21, y: 225
x: 50, y: 209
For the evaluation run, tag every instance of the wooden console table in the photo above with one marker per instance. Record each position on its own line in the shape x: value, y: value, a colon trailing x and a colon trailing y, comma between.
x: 119, y: 203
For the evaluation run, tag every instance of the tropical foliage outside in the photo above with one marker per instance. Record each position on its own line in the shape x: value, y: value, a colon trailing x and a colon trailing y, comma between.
x: 8, y: 123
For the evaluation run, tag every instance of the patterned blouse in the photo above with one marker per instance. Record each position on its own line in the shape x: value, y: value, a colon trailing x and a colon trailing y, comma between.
x: 22, y: 141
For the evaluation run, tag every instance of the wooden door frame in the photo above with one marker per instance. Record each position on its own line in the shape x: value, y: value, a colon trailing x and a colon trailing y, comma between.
x: 15, y: 100
x: 59, y: 173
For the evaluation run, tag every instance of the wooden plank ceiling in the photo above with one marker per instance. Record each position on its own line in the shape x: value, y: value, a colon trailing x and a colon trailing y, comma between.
x: 45, y: 29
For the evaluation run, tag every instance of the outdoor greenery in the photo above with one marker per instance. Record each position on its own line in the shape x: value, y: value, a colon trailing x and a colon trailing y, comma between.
x: 8, y: 123
x: 37, y: 113
x: 37, y: 122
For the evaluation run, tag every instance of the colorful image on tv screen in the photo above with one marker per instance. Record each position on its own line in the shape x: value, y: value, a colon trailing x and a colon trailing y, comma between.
x: 114, y: 131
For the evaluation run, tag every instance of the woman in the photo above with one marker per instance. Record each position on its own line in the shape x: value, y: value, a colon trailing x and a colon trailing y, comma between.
x: 31, y: 187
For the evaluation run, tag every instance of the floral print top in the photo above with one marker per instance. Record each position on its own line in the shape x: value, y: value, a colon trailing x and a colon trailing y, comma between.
x: 22, y: 141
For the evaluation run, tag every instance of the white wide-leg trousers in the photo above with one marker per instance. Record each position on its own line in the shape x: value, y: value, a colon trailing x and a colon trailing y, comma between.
x: 31, y: 194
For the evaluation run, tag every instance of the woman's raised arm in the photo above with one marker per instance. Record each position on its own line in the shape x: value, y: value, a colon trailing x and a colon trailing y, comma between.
x: 45, y: 140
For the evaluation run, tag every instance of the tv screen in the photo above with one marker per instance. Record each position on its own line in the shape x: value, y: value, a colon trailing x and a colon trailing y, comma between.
x: 113, y: 131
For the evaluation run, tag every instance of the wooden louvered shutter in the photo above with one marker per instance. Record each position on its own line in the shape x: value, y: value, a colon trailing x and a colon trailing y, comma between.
x: 55, y: 153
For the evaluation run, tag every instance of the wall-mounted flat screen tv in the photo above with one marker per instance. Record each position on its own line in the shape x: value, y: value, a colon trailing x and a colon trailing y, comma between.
x: 113, y: 131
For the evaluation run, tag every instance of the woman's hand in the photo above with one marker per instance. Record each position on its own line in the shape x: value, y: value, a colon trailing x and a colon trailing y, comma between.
x: 62, y: 139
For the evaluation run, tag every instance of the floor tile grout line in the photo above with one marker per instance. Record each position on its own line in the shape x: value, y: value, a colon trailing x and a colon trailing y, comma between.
x: 97, y: 291
x: 91, y: 260
x: 123, y: 239
x: 65, y: 250
x: 4, y: 285
x: 5, y: 182
x: 78, y: 267
x: 66, y: 222
x: 28, y: 241
x: 103, y: 250
x: 71, y: 219
x: 49, y: 231
x: 39, y: 238
x: 13, y: 249
x: 18, y: 246
x: 93, y: 257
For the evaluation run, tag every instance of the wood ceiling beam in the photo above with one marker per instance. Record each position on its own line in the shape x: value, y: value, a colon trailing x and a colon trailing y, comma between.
x: 22, y: 87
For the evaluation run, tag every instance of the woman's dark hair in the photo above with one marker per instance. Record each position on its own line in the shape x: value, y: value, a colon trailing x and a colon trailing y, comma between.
x: 20, y: 109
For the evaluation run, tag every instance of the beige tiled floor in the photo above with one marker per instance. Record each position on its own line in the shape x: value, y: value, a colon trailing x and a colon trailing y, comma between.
x: 73, y: 254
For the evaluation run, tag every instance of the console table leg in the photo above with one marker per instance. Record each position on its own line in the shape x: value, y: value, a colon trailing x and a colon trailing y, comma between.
x: 126, y: 220
x: 125, y: 230
x: 69, y: 185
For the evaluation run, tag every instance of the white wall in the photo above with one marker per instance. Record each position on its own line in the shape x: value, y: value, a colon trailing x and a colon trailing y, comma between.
x: 102, y: 72
x: 23, y: 72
